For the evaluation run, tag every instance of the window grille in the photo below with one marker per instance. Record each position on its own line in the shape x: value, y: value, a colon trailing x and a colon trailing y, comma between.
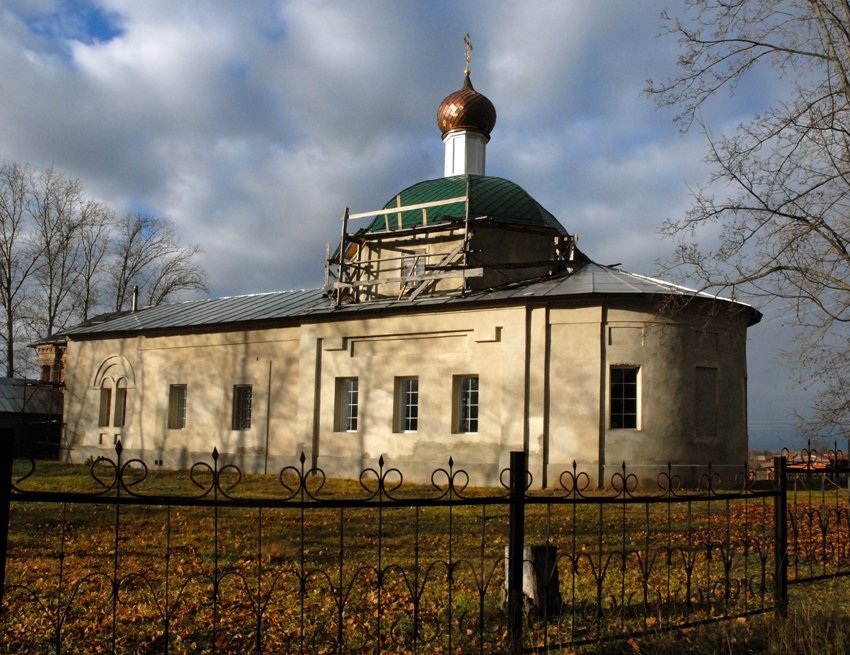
x: 624, y: 397
x: 177, y: 406
x: 467, y: 403
x: 407, y: 393
x: 242, y: 404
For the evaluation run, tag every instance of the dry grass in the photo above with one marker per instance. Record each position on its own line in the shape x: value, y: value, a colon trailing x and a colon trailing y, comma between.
x: 168, y: 556
x: 818, y: 623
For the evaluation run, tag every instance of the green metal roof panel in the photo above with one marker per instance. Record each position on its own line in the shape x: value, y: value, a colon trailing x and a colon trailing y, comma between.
x: 443, y: 188
x: 496, y: 198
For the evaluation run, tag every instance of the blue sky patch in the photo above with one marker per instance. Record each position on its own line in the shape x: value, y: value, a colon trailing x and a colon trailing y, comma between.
x: 76, y: 20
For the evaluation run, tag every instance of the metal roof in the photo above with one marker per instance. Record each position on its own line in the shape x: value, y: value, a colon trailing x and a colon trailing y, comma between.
x: 592, y: 279
x: 26, y: 397
x: 496, y: 198
x: 212, y: 312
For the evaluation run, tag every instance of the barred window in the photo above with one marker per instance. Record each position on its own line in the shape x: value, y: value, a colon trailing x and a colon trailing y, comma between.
x: 242, y: 402
x: 177, y: 394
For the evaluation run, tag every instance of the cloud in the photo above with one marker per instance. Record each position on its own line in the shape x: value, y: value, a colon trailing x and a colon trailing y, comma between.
x: 254, y: 125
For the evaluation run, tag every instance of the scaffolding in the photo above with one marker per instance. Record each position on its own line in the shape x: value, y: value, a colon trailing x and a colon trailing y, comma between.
x: 367, y: 259
x: 392, y: 260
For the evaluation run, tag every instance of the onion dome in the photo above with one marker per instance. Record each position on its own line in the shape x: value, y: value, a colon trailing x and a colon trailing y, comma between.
x: 493, y: 198
x: 466, y: 110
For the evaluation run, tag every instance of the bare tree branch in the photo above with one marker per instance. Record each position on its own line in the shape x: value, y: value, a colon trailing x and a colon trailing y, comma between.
x: 780, y: 189
x: 148, y: 255
x: 63, y: 255
x: 19, y: 253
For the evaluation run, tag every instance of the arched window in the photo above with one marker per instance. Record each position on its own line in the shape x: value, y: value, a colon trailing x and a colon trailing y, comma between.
x: 113, y: 403
x: 120, y: 403
x: 105, y: 402
x: 113, y: 378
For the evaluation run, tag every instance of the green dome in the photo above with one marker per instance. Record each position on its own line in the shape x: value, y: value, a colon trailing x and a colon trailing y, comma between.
x: 498, y: 199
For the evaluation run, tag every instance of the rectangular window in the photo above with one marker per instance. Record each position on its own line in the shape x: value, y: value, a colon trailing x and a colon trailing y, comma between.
x: 242, y: 399
x: 412, y: 266
x: 347, y: 391
x: 705, y: 411
x: 177, y: 406
x: 105, y: 406
x: 120, y: 407
x: 407, y: 404
x: 466, y: 403
x: 624, y: 397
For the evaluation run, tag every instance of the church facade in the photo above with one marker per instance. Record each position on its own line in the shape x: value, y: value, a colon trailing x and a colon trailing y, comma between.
x: 460, y: 320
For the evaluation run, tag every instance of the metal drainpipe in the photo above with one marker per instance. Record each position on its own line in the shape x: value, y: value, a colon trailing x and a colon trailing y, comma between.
x: 603, y: 392
x: 317, y: 402
x: 526, y: 410
x: 268, y: 419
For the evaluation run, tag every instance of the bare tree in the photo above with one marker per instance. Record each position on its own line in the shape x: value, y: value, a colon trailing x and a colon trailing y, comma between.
x: 95, y: 239
x: 780, y: 192
x: 19, y: 253
x: 149, y: 255
x: 62, y: 255
x: 55, y: 208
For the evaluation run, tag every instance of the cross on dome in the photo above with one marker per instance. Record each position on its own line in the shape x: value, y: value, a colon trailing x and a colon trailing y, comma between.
x: 465, y: 119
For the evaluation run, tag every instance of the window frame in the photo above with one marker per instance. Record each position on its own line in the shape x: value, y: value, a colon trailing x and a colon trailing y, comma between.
x: 242, y: 407
x: 119, y: 410
x: 706, y: 402
x: 412, y: 267
x: 624, y: 408
x: 466, y: 404
x: 347, y: 414
x: 112, y: 408
x: 104, y: 415
x: 178, y: 401
x: 407, y: 404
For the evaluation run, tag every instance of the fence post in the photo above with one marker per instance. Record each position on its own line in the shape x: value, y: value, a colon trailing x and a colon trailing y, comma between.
x: 7, y: 441
x: 516, y: 544
x: 780, y: 505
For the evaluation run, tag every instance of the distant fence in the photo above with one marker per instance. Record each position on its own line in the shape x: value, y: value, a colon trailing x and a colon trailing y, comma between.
x: 132, y: 561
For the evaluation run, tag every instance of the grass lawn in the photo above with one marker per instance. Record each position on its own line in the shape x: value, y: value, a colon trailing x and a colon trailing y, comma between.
x: 402, y: 579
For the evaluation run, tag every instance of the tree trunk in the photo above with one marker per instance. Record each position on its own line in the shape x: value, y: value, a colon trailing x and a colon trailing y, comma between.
x: 540, y: 583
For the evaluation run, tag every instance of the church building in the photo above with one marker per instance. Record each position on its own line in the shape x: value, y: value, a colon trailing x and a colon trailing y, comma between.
x: 459, y: 320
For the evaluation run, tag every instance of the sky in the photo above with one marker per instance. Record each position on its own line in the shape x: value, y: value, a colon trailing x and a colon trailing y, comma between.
x: 253, y: 125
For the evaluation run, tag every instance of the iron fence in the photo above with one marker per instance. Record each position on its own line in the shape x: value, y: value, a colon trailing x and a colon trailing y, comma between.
x: 133, y: 561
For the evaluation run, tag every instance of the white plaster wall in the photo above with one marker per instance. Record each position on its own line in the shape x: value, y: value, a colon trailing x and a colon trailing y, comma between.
x: 542, y: 380
x: 434, y: 348
x: 587, y: 341
x: 209, y: 365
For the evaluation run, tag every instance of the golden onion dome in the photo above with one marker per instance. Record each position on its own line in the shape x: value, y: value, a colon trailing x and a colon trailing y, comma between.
x: 466, y: 110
